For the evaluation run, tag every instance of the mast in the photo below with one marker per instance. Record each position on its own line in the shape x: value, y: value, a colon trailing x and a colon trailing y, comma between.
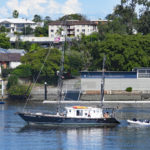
x: 60, y: 74
x: 60, y: 79
x: 103, y: 81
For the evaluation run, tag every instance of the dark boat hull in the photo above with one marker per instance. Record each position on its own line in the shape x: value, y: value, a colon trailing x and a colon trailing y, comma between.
x: 54, y: 120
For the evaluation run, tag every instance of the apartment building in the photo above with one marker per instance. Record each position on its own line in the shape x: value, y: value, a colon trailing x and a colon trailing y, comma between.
x: 73, y: 28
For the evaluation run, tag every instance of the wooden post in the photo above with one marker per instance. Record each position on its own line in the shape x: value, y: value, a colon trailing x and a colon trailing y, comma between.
x: 45, y: 90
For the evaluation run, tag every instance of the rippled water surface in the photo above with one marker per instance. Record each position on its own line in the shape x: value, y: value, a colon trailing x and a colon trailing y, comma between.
x: 16, y: 135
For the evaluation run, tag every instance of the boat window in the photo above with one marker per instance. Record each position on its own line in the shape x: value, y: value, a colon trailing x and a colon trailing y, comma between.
x: 79, y: 112
x: 69, y: 110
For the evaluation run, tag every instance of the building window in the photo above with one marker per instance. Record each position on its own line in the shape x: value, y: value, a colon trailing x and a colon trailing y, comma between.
x: 7, y: 25
x: 78, y: 30
x: 83, y: 30
x: 20, y: 25
x: 52, y: 30
x: 143, y: 73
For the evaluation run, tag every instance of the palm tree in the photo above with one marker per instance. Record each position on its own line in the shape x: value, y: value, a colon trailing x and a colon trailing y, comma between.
x: 15, y: 14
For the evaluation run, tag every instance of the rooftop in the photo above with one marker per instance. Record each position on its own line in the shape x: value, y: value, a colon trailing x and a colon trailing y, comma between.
x: 19, y: 51
x: 17, y: 21
x: 10, y: 57
x: 71, y: 22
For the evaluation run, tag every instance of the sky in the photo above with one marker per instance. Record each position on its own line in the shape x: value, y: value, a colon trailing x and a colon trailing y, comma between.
x: 92, y: 9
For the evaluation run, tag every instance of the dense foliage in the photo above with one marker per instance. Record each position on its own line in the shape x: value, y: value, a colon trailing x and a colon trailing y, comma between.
x: 12, y: 81
x: 36, y: 60
x: 4, y: 41
x: 18, y: 92
x: 22, y: 71
x: 72, y: 17
x: 15, y: 89
x: 123, y: 52
x: 15, y: 14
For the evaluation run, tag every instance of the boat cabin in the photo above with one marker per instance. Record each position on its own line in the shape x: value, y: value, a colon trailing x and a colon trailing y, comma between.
x: 84, y: 112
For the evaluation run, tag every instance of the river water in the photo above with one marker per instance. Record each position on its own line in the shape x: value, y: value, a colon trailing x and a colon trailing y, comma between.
x: 16, y: 135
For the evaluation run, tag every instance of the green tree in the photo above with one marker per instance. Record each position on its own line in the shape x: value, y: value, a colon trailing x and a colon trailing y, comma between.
x: 123, y: 52
x: 75, y: 62
x: 4, y: 41
x: 37, y: 18
x: 15, y: 14
x: 22, y: 71
x: 27, y: 30
x: 125, y: 17
x: 40, y: 31
x: 35, y: 60
x: 59, y: 31
x: 3, y: 29
x: 47, y: 20
x: 12, y: 81
x: 73, y: 17
x: 84, y: 47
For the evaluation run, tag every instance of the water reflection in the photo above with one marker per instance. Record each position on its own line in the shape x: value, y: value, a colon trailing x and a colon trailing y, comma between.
x: 71, y: 138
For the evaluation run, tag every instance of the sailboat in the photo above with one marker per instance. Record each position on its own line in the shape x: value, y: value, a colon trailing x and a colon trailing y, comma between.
x: 73, y: 115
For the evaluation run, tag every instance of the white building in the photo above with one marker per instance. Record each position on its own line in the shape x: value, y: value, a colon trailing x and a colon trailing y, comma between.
x: 17, y: 24
x: 73, y: 28
x: 10, y: 58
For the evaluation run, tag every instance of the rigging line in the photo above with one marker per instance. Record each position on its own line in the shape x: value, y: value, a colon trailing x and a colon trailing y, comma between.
x: 37, y: 76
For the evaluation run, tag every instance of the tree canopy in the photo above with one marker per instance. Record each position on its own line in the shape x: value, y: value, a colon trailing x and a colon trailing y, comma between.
x: 15, y: 14
x: 4, y: 41
x: 37, y: 18
x: 73, y: 17
x: 123, y: 52
x: 35, y: 60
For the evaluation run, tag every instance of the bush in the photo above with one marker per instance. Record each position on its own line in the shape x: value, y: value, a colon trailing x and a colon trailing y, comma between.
x: 129, y: 89
x: 18, y: 91
x: 12, y: 81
